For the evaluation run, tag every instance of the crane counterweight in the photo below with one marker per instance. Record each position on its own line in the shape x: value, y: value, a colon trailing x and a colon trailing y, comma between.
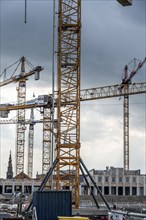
x: 125, y: 2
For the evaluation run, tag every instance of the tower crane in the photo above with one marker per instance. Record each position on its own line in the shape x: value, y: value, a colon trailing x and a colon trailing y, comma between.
x: 31, y: 122
x: 85, y: 95
x: 46, y: 140
x: 68, y: 131
x: 16, y: 78
x: 21, y: 98
x: 68, y: 128
x: 127, y: 79
x: 125, y: 85
x: 20, y: 127
x: 46, y: 148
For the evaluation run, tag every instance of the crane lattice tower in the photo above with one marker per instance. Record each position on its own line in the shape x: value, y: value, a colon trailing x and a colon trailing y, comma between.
x: 20, y: 134
x: 68, y: 129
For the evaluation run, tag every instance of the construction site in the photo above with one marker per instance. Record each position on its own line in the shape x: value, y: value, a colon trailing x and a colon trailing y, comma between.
x: 67, y: 151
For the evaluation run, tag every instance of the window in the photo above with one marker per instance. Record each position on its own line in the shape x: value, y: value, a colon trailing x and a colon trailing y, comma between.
x: 134, y: 179
x: 1, y: 189
x: 100, y: 188
x: 120, y: 179
x: 8, y: 189
x: 106, y: 179
x: 120, y: 191
x: 18, y: 188
x: 141, y: 191
x: 113, y: 190
x: 113, y: 179
x: 127, y: 191
x: 99, y: 179
x: 127, y: 179
x: 134, y: 191
x: 106, y: 190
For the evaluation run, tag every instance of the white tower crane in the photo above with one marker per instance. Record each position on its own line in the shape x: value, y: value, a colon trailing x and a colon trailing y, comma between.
x: 21, y: 96
x: 30, y: 144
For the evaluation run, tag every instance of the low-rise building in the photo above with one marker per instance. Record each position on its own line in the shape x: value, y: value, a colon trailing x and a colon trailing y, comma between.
x: 111, y: 181
x: 116, y: 181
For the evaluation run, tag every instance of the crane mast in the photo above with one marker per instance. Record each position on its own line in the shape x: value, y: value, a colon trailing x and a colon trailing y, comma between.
x: 126, y: 122
x: 30, y: 145
x: 125, y: 86
x: 126, y: 130
x: 20, y: 134
x: 68, y: 129
x: 46, y: 154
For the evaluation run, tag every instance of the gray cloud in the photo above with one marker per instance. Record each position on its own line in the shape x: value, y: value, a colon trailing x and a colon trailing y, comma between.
x: 116, y: 40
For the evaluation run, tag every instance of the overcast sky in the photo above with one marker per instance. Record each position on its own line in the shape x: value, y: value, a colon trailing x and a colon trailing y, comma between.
x: 112, y: 36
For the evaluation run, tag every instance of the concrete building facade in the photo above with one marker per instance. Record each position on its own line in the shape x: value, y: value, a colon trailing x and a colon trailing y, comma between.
x: 111, y: 181
x: 18, y: 185
x: 117, y: 181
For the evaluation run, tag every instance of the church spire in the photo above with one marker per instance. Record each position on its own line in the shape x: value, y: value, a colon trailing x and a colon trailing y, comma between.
x: 10, y: 168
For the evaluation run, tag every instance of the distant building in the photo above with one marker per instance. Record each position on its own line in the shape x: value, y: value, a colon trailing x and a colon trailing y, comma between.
x: 117, y: 181
x: 9, y: 174
x: 20, y: 183
x: 111, y: 181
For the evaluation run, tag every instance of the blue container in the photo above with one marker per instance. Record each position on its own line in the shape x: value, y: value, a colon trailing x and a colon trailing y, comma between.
x: 51, y: 204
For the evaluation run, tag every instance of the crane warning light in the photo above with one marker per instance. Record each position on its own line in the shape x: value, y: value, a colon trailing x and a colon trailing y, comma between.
x: 125, y: 2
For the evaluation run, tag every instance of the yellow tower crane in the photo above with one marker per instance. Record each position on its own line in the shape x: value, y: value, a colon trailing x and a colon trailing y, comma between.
x: 68, y: 130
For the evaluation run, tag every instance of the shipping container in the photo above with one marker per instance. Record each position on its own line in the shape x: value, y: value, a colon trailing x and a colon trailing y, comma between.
x: 72, y: 218
x: 51, y: 204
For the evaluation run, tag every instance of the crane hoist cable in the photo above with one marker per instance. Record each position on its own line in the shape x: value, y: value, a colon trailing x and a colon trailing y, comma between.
x: 4, y: 73
x: 25, y: 14
x: 18, y: 61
